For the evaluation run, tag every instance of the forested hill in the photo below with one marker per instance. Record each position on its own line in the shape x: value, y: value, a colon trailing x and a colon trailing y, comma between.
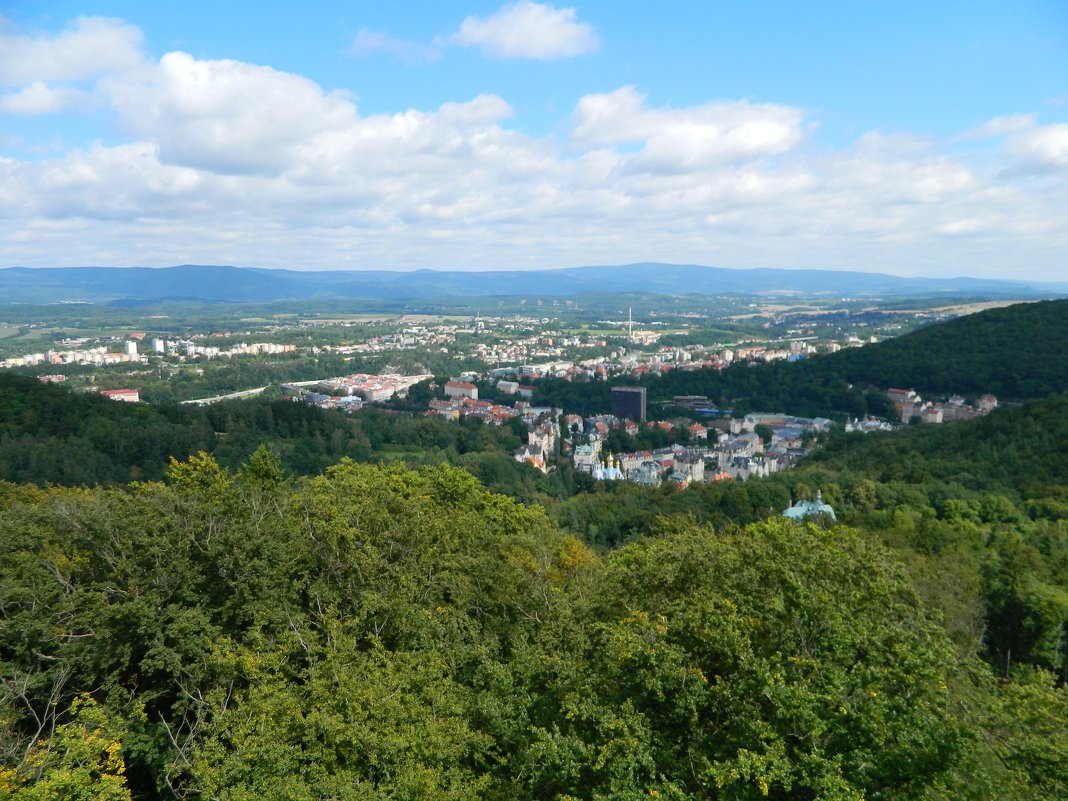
x: 1016, y: 451
x: 376, y: 633
x: 1018, y: 352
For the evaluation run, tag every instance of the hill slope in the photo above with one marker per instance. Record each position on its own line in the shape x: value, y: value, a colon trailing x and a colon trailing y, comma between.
x: 1018, y: 351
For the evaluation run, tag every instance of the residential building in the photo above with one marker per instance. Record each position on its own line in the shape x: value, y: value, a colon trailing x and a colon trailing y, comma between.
x: 461, y: 389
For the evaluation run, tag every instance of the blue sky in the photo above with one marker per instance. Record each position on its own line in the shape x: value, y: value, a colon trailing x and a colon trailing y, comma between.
x: 905, y: 137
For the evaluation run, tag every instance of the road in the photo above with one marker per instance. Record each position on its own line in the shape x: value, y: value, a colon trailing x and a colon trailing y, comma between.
x: 247, y: 393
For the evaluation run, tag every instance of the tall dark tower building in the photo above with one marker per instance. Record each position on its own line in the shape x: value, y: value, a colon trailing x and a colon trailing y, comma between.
x: 629, y: 403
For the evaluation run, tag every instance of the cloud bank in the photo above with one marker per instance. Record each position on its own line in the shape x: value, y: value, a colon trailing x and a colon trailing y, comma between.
x: 221, y: 161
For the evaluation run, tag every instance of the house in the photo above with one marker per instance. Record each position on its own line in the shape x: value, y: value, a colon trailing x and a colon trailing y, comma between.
x: 690, y: 468
x: 574, y: 424
x: 746, y: 467
x: 544, y: 436
x: 532, y: 455
x: 587, y: 457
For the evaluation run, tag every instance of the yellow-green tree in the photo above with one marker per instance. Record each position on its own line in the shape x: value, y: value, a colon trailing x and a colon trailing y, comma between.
x: 81, y: 761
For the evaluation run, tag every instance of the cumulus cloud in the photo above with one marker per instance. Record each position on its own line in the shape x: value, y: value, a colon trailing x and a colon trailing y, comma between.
x: 89, y: 47
x: 368, y: 42
x: 227, y: 116
x: 688, y: 138
x: 528, y: 30
x: 963, y: 227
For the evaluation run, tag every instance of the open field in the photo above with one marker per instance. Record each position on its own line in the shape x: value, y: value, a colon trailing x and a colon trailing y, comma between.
x: 596, y: 332
x: 349, y: 319
x: 436, y: 318
x: 959, y: 310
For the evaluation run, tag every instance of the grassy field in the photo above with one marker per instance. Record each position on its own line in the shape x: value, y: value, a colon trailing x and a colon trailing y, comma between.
x: 349, y: 319
x: 595, y: 332
x: 436, y: 318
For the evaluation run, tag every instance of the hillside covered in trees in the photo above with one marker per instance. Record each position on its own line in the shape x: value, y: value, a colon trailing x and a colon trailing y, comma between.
x: 49, y: 435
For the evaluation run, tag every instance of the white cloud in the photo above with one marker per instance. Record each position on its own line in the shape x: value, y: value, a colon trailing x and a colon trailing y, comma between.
x: 368, y: 42
x: 228, y: 116
x: 528, y: 30
x: 1040, y: 150
x: 688, y: 138
x: 89, y: 47
x: 39, y: 98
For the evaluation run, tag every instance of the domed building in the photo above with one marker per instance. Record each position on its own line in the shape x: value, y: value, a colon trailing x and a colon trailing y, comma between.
x: 803, y: 509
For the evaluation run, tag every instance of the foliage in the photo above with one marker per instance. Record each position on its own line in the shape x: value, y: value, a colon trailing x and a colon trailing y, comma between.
x: 379, y: 633
x: 80, y: 761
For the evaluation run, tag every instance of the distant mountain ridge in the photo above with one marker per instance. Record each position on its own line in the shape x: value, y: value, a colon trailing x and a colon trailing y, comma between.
x: 251, y: 284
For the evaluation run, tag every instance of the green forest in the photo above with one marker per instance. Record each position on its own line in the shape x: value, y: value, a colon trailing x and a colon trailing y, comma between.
x: 308, y: 605
x: 380, y: 633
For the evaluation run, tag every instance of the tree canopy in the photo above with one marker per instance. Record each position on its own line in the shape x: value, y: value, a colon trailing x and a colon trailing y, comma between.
x: 378, y: 633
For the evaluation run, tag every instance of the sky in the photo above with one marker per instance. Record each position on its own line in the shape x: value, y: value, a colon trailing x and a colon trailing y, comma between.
x: 913, y: 138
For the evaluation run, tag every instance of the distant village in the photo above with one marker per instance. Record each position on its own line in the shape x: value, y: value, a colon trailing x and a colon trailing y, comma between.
x: 714, y: 447
x: 719, y: 449
x: 132, y: 351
